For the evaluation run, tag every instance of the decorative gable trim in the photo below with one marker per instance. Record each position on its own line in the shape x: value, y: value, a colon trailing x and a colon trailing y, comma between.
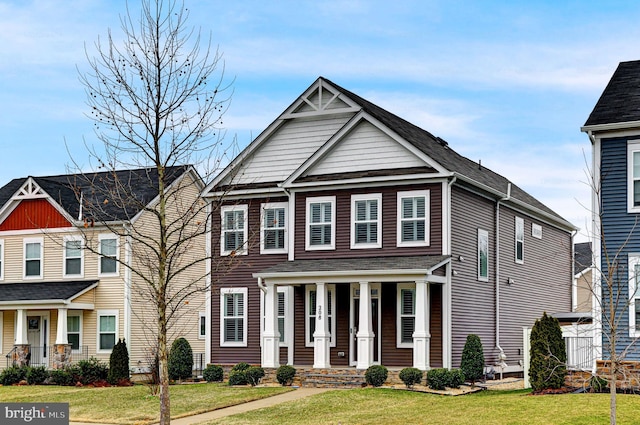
x: 320, y: 99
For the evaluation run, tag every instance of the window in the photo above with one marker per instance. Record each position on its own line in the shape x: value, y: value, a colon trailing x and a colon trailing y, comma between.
x: 33, y: 258
x: 634, y: 295
x: 107, y: 329
x: 519, y: 240
x: 273, y: 234
x: 108, y: 254
x: 413, y: 223
x: 73, y: 257
x: 366, y: 219
x: 633, y: 176
x: 202, y: 325
x: 1, y: 259
x: 321, y: 230
x: 483, y: 255
x: 233, y: 317
x: 311, y: 313
x: 74, y: 331
x: 406, y: 315
x: 234, y: 229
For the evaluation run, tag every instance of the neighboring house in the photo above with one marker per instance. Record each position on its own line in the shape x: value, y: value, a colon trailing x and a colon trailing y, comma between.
x: 61, y: 302
x: 364, y: 239
x: 582, y: 278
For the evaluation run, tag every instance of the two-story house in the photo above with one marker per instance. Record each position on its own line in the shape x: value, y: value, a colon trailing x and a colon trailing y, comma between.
x: 364, y: 239
x: 67, y: 290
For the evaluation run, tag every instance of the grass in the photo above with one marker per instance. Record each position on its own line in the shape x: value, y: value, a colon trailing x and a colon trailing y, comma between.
x: 134, y: 405
x: 375, y: 406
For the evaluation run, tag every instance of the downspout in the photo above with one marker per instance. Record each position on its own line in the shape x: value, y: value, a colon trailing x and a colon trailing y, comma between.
x: 502, y: 356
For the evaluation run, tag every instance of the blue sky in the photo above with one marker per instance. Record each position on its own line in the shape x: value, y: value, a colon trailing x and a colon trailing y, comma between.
x: 507, y: 83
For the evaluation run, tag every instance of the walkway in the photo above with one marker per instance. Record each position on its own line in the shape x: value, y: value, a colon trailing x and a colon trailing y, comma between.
x: 240, y: 408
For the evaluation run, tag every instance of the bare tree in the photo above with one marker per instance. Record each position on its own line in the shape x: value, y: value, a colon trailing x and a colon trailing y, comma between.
x: 157, y: 99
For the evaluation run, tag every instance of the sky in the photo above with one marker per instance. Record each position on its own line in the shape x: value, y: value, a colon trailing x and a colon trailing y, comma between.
x: 506, y: 83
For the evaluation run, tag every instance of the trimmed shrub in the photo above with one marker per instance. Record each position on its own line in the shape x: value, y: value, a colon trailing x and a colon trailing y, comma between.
x: 37, y: 375
x: 472, y: 363
x: 180, y: 360
x: 598, y: 384
x: 410, y: 376
x: 240, y: 367
x: 66, y: 376
x: 254, y: 375
x: 437, y: 379
x: 548, y: 355
x: 238, y: 377
x: 376, y: 375
x: 118, y: 363
x: 92, y: 370
x: 285, y: 374
x: 455, y: 378
x: 213, y: 373
x: 13, y: 375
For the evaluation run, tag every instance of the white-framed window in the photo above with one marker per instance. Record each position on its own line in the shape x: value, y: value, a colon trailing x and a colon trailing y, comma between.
x: 1, y: 261
x: 321, y: 229
x: 33, y: 258
x: 273, y: 228
x: 406, y: 317
x: 108, y: 245
x: 74, y: 330
x: 413, y: 218
x: 202, y: 325
x: 311, y: 311
x: 107, y: 330
x: 284, y: 312
x: 233, y: 239
x: 634, y: 294
x: 483, y: 255
x: 519, y: 237
x: 633, y: 176
x: 233, y: 317
x: 73, y: 257
x: 366, y: 221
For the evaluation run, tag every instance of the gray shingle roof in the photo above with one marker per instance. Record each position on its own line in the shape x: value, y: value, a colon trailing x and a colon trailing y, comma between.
x: 43, y: 291
x: 582, y: 257
x: 620, y: 100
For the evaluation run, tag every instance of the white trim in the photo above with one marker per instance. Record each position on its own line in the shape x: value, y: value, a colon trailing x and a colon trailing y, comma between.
x: 354, y: 290
x: 105, y: 313
x: 483, y: 235
x: 633, y: 146
x: 64, y: 256
x: 366, y: 197
x: 202, y: 315
x: 427, y: 217
x: 1, y: 274
x: 287, y: 318
x: 285, y: 228
x: 518, y: 229
x: 633, y: 261
x: 244, y: 230
x: 400, y: 287
x: 26, y: 241
x: 76, y: 313
x: 307, y: 234
x: 108, y: 236
x: 243, y: 316
x: 331, y: 298
x: 207, y: 295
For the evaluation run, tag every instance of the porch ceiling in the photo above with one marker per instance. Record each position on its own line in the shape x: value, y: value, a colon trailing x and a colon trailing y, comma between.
x: 15, y: 295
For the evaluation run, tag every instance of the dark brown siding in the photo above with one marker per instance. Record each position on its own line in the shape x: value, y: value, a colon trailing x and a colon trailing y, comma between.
x: 435, y: 326
x: 391, y: 355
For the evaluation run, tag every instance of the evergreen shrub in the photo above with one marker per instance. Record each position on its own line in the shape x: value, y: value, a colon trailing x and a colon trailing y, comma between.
x: 472, y: 363
x: 37, y: 375
x: 180, y: 360
x: 548, y: 355
x: 213, y: 373
x: 92, y: 370
x: 285, y: 374
x: 437, y: 379
x: 410, y: 376
x: 119, y: 364
x: 376, y: 375
x: 254, y: 374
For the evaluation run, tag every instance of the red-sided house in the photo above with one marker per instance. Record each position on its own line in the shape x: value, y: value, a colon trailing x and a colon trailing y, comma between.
x: 363, y: 239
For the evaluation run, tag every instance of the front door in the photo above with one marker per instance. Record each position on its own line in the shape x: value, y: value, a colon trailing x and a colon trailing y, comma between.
x: 37, y: 328
x: 355, y: 322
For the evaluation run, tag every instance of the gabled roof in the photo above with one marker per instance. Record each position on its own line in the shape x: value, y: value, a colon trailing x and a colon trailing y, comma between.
x: 582, y: 257
x: 44, y: 291
x: 620, y: 100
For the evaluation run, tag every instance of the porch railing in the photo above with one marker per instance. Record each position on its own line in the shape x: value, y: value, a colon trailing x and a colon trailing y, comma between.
x: 580, y: 352
x: 40, y: 356
x: 198, y: 364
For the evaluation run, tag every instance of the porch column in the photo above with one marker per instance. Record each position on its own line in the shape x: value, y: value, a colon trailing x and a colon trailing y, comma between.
x: 271, y: 336
x: 321, y: 337
x: 61, y: 333
x: 21, y: 327
x: 421, y: 334
x: 365, y: 332
x: 61, y: 356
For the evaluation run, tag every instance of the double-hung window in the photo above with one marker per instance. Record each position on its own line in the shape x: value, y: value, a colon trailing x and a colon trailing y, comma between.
x: 108, y: 254
x: 202, y: 325
x: 519, y: 236
x: 483, y: 255
x: 233, y: 317
x: 406, y: 305
x: 633, y: 176
x: 366, y: 221
x: 73, y: 257
x: 311, y: 313
x: 33, y: 258
x: 634, y: 295
x: 273, y: 228
x: 233, y: 240
x: 321, y: 229
x: 107, y: 329
x: 74, y: 331
x: 413, y: 218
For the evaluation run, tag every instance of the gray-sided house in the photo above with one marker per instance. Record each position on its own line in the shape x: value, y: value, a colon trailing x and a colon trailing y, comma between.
x: 365, y: 239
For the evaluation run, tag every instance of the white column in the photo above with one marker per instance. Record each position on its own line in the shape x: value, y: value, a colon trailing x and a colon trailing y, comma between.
x: 321, y: 337
x: 21, y: 327
x: 271, y: 336
x: 421, y: 334
x: 365, y: 332
x: 446, y: 320
x: 61, y: 333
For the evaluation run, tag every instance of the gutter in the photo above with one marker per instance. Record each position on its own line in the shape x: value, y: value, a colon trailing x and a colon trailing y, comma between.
x: 502, y: 356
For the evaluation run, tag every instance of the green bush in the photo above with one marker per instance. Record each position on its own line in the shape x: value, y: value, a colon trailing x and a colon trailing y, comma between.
x: 37, y: 375
x: 180, y: 360
x: 92, y: 370
x: 118, y: 363
x: 410, y: 376
x: 213, y: 373
x: 285, y: 374
x: 598, y: 384
x: 376, y: 375
x: 65, y: 376
x: 548, y: 355
x: 242, y: 366
x: 455, y: 378
x: 437, y: 379
x: 254, y: 375
x: 472, y: 363
x: 238, y: 377
x: 13, y: 375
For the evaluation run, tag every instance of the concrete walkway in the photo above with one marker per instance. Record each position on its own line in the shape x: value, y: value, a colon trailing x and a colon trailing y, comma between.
x: 240, y: 408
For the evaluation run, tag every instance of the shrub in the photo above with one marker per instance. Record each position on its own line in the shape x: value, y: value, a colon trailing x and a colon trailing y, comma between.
x: 472, y: 363
x: 118, y: 363
x: 410, y: 376
x: 65, y: 376
x: 437, y: 379
x: 548, y: 354
x: 180, y: 360
x: 242, y: 366
x: 376, y: 375
x: 254, y: 375
x: 13, y: 375
x: 91, y: 371
x: 598, y: 384
x: 455, y: 378
x: 213, y: 373
x: 285, y: 374
x: 238, y: 377
x: 37, y: 375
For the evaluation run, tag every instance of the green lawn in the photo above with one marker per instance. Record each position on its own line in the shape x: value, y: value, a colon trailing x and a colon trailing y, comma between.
x: 134, y: 405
